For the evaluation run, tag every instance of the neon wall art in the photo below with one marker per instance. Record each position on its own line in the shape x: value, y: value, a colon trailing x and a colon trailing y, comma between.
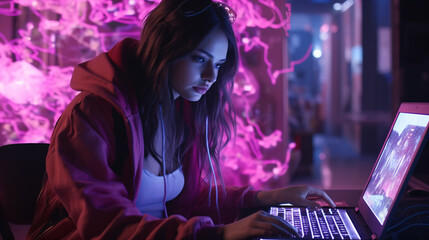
x: 52, y: 36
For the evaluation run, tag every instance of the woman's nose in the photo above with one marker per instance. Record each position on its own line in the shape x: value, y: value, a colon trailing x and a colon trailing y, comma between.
x: 209, y: 73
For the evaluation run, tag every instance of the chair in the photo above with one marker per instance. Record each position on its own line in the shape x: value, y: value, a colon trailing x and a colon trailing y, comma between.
x: 22, y: 167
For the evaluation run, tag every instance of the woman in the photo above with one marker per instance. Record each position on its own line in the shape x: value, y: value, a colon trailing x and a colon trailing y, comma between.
x: 136, y: 153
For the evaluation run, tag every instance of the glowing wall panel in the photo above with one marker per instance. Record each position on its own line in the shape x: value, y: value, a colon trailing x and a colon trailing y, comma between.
x: 52, y: 36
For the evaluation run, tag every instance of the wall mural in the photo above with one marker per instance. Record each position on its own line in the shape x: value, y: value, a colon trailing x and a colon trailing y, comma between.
x: 52, y: 36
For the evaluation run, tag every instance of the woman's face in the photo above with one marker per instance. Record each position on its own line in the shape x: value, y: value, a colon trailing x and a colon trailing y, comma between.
x: 193, y: 75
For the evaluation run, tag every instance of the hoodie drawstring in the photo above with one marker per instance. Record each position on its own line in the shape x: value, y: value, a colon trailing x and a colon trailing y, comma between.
x: 163, y: 164
x: 213, y: 172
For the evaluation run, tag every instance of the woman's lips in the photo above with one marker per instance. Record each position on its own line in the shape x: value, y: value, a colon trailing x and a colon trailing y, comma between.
x: 201, y: 90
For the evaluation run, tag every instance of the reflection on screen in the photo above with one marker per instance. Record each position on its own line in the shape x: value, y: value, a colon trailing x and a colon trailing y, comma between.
x: 394, y: 163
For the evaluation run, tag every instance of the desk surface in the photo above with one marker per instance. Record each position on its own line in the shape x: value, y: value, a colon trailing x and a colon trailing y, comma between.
x: 345, y: 198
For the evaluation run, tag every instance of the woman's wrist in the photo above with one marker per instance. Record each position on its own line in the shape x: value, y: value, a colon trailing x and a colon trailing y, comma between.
x: 264, y: 198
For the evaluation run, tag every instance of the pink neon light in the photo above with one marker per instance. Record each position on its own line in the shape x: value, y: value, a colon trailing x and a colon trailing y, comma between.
x: 249, y: 44
x: 36, y: 68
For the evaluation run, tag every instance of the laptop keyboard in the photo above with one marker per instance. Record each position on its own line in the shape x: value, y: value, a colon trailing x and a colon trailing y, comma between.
x: 325, y: 223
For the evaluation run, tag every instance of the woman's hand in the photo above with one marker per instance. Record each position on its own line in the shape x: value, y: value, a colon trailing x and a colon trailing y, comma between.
x: 296, y: 195
x: 259, y: 224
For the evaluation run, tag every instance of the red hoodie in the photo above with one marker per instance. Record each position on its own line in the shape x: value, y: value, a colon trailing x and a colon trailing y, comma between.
x: 95, y: 160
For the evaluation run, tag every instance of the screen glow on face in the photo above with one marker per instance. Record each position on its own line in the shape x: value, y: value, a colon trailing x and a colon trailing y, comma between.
x: 394, y: 163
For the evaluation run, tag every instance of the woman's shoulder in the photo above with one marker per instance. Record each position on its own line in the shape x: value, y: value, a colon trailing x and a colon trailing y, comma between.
x: 88, y: 105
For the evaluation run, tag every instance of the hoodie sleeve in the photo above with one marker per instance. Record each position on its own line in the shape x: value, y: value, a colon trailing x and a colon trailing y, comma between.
x: 82, y: 169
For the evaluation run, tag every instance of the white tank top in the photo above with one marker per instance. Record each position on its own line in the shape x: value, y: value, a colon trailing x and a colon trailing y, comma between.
x: 151, y: 192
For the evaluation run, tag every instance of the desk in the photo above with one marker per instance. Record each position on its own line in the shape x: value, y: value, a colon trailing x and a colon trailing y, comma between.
x: 349, y: 198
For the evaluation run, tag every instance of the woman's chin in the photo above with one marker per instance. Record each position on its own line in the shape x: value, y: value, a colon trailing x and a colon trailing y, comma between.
x: 194, y: 98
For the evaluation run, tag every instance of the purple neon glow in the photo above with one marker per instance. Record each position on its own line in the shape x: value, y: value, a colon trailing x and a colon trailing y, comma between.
x: 55, y: 35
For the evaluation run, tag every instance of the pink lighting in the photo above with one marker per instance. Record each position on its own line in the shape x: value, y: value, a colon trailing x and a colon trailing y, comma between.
x: 52, y: 36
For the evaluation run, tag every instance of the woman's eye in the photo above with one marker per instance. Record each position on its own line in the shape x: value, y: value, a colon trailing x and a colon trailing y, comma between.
x: 199, y: 59
x: 218, y: 65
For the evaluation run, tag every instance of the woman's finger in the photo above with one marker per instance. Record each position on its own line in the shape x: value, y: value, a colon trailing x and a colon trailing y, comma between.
x: 322, y: 194
x: 270, y: 222
x: 312, y: 205
x: 326, y: 197
x: 269, y: 229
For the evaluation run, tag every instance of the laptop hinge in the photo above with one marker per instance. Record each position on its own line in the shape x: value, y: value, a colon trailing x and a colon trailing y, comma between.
x: 373, y: 236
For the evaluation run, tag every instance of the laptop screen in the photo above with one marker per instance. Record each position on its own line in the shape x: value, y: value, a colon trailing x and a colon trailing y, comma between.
x: 394, y: 163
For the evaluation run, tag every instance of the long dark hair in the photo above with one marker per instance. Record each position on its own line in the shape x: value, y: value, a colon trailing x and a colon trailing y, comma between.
x: 168, y: 35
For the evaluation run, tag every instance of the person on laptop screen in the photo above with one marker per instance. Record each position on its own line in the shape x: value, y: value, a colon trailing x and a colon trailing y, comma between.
x: 136, y: 154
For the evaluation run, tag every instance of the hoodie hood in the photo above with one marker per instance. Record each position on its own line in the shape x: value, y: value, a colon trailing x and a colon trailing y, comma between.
x: 109, y: 76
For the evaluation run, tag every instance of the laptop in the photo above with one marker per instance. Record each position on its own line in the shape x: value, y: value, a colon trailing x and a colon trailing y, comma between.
x: 371, y: 217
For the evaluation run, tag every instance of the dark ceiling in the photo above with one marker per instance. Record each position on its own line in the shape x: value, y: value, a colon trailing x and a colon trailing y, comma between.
x: 313, y: 6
